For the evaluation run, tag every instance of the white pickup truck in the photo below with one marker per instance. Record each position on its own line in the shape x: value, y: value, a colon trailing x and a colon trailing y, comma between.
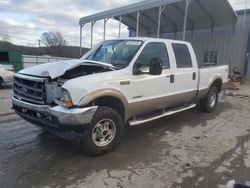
x: 117, y: 83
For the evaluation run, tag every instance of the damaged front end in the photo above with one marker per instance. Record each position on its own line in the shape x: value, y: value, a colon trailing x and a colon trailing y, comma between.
x: 43, y: 101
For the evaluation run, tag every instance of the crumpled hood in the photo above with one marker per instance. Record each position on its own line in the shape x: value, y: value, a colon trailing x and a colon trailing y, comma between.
x: 56, y: 69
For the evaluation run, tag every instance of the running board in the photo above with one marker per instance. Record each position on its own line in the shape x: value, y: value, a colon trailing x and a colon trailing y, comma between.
x: 167, y: 113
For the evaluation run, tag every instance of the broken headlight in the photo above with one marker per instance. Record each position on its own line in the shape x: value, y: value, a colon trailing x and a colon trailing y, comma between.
x: 65, y: 99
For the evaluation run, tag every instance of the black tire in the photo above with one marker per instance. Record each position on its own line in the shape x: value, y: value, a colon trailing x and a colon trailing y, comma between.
x: 104, y: 115
x: 208, y: 103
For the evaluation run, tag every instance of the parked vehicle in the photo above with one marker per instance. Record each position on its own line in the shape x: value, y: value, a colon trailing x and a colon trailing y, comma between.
x: 124, y: 81
x: 6, y: 74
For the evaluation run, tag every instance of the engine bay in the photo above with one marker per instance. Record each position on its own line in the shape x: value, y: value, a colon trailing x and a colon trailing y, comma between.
x: 84, y: 70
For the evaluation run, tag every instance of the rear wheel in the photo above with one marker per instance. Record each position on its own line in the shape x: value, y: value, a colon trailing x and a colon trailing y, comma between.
x: 209, y: 103
x: 104, y: 133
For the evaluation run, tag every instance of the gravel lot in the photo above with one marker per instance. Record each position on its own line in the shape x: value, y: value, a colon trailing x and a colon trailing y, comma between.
x: 190, y: 149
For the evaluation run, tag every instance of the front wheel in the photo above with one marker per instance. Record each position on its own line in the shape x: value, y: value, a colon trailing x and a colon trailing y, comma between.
x: 104, y: 133
x: 209, y: 103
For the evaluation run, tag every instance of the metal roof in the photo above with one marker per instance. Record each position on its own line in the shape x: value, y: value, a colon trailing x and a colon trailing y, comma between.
x: 202, y: 14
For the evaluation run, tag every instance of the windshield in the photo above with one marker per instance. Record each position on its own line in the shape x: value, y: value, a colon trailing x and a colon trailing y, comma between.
x: 119, y: 53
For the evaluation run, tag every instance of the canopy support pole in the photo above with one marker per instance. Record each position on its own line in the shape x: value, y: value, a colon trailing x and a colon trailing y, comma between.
x: 161, y: 9
x: 244, y: 18
x: 104, y: 28
x: 91, y: 42
x: 120, y: 21
x: 185, y: 20
x: 137, y: 23
x: 81, y: 26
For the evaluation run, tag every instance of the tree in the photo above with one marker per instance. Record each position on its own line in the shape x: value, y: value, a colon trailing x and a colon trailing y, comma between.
x: 53, y: 39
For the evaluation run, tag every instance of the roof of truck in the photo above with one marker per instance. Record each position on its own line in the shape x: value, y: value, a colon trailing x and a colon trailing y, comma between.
x: 144, y: 39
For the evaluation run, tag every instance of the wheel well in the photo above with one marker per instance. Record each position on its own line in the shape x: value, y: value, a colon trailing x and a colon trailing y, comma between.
x: 217, y: 83
x: 111, y: 102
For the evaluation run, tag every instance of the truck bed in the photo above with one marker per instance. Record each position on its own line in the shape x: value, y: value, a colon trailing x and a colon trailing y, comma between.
x: 209, y: 74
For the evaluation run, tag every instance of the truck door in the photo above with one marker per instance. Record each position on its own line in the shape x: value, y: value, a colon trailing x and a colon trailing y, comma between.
x: 149, y: 92
x: 186, y: 72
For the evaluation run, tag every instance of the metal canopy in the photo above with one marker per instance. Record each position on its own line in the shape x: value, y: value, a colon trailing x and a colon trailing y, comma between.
x: 153, y: 17
x: 143, y: 5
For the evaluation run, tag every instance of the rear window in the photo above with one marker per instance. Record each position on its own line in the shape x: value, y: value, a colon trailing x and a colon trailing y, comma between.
x: 182, y: 55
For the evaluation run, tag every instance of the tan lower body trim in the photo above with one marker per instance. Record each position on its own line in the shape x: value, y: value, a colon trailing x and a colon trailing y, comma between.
x: 203, y: 93
x: 145, y: 106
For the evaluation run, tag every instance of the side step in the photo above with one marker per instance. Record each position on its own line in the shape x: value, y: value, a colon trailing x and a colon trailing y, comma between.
x: 167, y: 113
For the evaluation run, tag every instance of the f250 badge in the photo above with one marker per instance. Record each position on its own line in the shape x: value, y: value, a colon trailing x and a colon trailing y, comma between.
x: 123, y: 83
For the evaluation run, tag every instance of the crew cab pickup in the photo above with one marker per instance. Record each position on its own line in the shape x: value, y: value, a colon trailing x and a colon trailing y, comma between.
x: 118, y: 82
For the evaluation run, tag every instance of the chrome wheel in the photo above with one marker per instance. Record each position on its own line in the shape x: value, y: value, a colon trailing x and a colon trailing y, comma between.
x: 104, y: 132
x: 212, y: 99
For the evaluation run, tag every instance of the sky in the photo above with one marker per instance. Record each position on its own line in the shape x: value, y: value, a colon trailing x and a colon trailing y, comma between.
x: 23, y: 21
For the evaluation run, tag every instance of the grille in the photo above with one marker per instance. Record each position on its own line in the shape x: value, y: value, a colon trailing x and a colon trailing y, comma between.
x: 30, y: 90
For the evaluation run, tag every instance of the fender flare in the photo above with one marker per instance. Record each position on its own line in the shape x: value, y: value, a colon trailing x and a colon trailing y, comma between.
x: 105, y: 93
x: 213, y: 79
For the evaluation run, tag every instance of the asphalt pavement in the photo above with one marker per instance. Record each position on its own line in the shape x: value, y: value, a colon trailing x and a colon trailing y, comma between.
x: 5, y: 98
x: 190, y: 149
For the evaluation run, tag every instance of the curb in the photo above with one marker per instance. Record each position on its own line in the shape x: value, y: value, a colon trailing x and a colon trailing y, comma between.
x: 2, y: 114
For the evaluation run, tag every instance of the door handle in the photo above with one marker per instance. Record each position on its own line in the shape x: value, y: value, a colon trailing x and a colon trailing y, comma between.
x: 194, y: 75
x: 171, y: 76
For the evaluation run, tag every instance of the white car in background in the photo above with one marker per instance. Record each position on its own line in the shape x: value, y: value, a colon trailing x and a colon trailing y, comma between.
x: 6, y: 74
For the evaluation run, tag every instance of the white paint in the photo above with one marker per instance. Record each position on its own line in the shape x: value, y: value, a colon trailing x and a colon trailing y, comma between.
x: 5, y: 75
x: 147, y: 86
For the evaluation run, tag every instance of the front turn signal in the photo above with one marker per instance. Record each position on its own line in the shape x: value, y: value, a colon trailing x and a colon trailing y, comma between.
x: 68, y: 104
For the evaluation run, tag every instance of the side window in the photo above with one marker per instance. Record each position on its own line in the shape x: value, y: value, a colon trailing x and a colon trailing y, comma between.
x: 214, y: 57
x: 154, y: 49
x: 210, y: 57
x: 206, y: 57
x: 182, y: 55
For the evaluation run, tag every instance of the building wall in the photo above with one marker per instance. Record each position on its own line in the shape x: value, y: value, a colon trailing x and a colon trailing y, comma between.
x: 29, y: 60
x: 230, y: 42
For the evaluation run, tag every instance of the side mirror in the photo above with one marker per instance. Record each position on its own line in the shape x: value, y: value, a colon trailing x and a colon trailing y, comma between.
x: 136, y: 68
x: 155, y: 66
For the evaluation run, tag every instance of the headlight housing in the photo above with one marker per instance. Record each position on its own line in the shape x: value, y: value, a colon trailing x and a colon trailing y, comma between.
x: 65, y: 99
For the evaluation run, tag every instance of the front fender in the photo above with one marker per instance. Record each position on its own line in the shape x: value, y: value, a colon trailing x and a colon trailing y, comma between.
x: 104, y: 93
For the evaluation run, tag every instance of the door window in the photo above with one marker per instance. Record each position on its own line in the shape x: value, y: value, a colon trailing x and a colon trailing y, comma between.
x: 151, y: 50
x: 182, y: 55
